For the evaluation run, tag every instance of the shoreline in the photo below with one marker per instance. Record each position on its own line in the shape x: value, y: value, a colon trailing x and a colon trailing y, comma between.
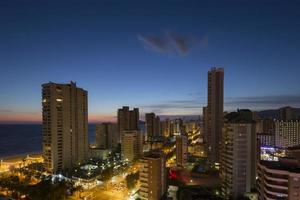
x: 20, y: 156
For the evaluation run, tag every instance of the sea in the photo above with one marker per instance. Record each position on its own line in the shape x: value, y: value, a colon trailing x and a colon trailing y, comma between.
x: 22, y: 139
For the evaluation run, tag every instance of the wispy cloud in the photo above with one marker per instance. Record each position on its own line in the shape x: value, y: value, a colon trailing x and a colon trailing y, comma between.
x: 172, y: 42
x: 189, y: 106
x: 155, y: 43
x: 192, y: 104
x: 263, y: 102
x: 5, y: 111
x: 13, y: 112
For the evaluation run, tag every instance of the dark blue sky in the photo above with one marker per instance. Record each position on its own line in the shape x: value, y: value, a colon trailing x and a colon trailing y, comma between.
x: 151, y: 54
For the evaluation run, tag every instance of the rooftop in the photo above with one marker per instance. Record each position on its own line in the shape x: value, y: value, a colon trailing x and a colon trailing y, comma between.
x: 241, y: 116
x: 286, y: 165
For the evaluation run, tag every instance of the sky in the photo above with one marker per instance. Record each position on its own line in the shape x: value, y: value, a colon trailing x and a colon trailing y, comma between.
x: 153, y: 55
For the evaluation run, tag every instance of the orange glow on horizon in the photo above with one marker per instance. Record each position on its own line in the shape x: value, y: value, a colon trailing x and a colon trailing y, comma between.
x: 37, y: 118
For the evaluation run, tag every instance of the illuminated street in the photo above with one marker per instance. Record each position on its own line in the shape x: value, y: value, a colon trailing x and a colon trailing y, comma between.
x: 115, y: 188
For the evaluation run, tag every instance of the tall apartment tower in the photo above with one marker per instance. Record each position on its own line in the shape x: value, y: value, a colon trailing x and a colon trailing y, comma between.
x: 152, y: 176
x: 106, y: 135
x: 205, y: 132
x: 287, y: 133
x: 65, y: 125
x: 128, y: 119
x: 165, y: 128
x: 181, y: 150
x: 130, y: 135
x: 238, y: 154
x: 215, y: 101
x: 131, y: 145
x: 152, y: 125
x: 157, y: 127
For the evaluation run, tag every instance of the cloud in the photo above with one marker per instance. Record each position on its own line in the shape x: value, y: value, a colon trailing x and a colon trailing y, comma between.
x: 172, y: 42
x: 155, y: 43
x: 193, y: 103
x: 14, y: 112
x: 5, y: 111
x: 186, y: 106
x: 263, y: 102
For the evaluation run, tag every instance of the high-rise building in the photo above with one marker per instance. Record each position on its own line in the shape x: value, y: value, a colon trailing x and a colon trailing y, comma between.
x: 215, y: 101
x: 265, y: 126
x: 131, y: 138
x: 106, y: 136
x: 287, y: 113
x: 204, y: 129
x: 65, y: 126
x: 181, y: 150
x: 152, y: 176
x: 157, y: 127
x: 176, y: 126
x: 128, y: 119
x: 152, y: 125
x: 238, y: 154
x: 278, y: 180
x: 191, y: 126
x: 165, y: 128
x: 265, y: 129
x: 266, y: 139
x: 287, y: 133
x: 131, y: 145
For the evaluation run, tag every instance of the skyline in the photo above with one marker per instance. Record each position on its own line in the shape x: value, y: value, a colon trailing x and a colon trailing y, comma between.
x: 157, y: 62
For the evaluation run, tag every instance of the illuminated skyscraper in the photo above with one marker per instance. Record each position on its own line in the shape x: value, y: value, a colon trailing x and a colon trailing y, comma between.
x: 165, y: 128
x: 152, y: 176
x: 181, y: 150
x: 131, y: 138
x: 65, y: 126
x: 215, y: 98
x: 131, y: 145
x: 287, y: 133
x: 238, y: 154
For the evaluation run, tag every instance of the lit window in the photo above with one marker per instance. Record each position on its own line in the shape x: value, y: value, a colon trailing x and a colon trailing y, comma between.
x: 59, y: 100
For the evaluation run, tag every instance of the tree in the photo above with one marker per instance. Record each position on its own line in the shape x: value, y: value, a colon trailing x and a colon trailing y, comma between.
x: 131, y: 180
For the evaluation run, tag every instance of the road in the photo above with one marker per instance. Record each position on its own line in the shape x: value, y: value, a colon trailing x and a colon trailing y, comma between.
x: 114, y: 189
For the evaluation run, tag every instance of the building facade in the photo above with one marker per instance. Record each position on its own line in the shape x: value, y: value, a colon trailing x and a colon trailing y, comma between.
x: 181, y: 150
x: 278, y: 180
x: 238, y: 154
x: 152, y: 125
x: 165, y: 128
x: 65, y: 126
x: 266, y: 140
x: 132, y: 146
x: 152, y: 176
x: 127, y: 119
x: 214, y: 112
x: 106, y: 136
x: 287, y: 133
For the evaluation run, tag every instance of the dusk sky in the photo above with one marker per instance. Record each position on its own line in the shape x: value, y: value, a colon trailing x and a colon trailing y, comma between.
x: 153, y: 55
